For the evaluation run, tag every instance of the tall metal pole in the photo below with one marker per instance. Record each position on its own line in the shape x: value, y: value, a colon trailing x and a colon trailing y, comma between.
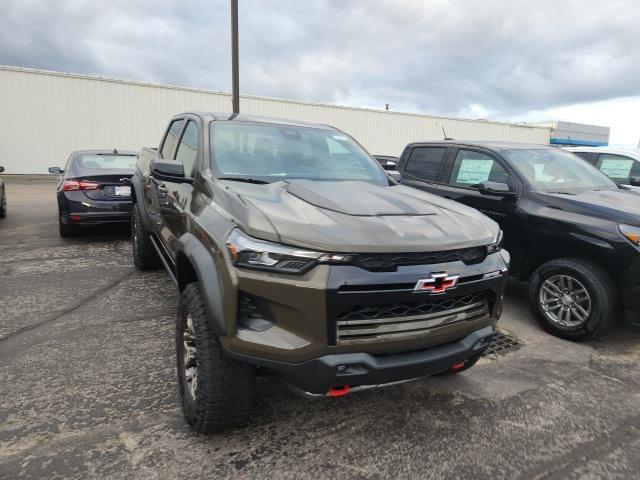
x: 235, y: 62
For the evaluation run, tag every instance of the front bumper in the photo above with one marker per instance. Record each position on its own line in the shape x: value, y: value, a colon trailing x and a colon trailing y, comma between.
x: 628, y: 279
x: 324, y: 311
x: 319, y: 375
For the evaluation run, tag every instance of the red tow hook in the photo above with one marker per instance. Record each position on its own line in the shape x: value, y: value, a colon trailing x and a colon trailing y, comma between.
x: 338, y: 391
x: 457, y: 366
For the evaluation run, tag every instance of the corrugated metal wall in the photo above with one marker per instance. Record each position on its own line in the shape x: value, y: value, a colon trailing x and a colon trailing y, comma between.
x: 46, y: 115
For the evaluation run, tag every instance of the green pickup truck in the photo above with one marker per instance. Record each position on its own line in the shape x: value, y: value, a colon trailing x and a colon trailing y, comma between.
x: 295, y: 253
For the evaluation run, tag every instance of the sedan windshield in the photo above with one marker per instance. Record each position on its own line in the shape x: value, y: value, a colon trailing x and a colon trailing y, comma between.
x: 550, y: 170
x: 262, y: 152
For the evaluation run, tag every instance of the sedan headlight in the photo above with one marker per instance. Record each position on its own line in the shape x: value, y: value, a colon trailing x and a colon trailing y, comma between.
x: 249, y: 252
x: 496, y: 246
x: 632, y: 233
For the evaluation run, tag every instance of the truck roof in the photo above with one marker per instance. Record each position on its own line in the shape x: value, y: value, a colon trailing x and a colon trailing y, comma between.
x: 241, y: 117
x: 491, y: 145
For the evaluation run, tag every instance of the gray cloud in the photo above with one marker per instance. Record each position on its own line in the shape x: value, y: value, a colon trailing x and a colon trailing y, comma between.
x: 455, y: 57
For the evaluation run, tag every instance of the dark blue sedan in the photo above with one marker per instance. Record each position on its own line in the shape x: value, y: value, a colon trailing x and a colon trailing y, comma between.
x: 94, y: 189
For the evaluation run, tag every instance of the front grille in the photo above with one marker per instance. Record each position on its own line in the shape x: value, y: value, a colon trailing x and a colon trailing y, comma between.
x: 370, y: 323
x: 380, y: 262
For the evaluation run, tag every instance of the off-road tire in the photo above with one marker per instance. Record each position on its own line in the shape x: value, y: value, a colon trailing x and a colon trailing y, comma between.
x: 467, y: 365
x: 145, y: 256
x: 599, y: 285
x: 67, y: 231
x: 225, y: 387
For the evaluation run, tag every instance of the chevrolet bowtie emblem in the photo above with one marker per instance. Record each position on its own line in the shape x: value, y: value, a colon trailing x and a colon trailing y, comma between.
x: 437, y: 283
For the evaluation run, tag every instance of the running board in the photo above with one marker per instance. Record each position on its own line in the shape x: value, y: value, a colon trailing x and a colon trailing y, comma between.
x: 167, y: 262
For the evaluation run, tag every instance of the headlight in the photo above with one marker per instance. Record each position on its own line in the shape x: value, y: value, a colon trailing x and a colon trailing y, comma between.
x: 632, y: 233
x: 248, y: 252
x: 496, y: 246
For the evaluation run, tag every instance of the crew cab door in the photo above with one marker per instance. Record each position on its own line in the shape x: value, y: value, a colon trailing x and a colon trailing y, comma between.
x: 174, y: 187
x: 423, y: 167
x: 155, y: 194
x: 469, y: 177
x: 456, y: 172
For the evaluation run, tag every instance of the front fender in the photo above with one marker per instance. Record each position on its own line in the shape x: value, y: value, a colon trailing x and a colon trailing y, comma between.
x: 201, y: 261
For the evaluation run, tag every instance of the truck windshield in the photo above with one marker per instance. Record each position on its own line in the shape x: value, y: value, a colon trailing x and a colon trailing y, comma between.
x: 550, y: 170
x: 272, y: 152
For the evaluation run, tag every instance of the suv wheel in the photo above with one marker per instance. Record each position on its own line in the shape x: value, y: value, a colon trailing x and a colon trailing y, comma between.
x: 3, y: 206
x: 573, y: 298
x: 144, y: 255
x: 217, y: 391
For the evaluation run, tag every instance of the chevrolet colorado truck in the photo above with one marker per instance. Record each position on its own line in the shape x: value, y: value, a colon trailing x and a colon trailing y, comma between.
x: 295, y: 253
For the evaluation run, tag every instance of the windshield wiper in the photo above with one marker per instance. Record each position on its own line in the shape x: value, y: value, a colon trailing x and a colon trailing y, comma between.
x: 562, y: 193
x: 257, y: 181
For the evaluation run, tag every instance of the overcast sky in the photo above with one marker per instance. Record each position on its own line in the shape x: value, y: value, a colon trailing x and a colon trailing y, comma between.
x: 515, y: 60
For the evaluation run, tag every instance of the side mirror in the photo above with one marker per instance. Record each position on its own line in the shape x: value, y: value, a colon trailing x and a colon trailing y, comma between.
x: 634, y: 181
x: 1, y: 169
x: 395, y: 175
x: 388, y: 165
x: 168, y: 171
x: 497, y: 189
x: 56, y: 170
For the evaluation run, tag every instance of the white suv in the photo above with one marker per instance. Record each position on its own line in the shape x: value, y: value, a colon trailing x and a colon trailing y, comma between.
x: 622, y: 165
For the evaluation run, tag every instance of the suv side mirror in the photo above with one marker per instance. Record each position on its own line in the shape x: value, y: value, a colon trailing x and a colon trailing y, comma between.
x: 634, y: 181
x: 1, y: 169
x: 395, y: 175
x: 497, y: 189
x: 168, y: 171
x: 56, y: 170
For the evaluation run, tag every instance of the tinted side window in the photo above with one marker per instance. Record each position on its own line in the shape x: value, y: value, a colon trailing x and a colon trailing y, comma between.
x: 471, y: 168
x: 424, y: 162
x: 171, y: 139
x: 618, y: 167
x: 188, y: 148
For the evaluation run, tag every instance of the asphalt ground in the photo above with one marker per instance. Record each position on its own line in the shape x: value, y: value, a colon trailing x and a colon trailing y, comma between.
x: 88, y: 386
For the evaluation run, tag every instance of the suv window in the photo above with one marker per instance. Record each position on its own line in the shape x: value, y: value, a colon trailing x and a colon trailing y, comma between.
x: 471, y: 168
x: 188, y: 148
x: 171, y: 139
x: 618, y: 167
x: 424, y: 162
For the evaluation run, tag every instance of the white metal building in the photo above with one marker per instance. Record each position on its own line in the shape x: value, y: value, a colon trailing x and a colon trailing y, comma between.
x: 46, y: 115
x: 577, y: 134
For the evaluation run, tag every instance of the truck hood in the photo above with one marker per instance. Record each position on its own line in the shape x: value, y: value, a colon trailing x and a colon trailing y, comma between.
x: 621, y: 206
x: 351, y: 216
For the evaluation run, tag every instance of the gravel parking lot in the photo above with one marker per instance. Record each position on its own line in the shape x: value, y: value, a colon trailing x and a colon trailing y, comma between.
x: 88, y: 389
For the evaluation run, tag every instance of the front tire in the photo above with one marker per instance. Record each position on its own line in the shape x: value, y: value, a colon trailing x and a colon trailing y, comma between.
x: 217, y: 391
x: 144, y: 255
x: 573, y: 299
